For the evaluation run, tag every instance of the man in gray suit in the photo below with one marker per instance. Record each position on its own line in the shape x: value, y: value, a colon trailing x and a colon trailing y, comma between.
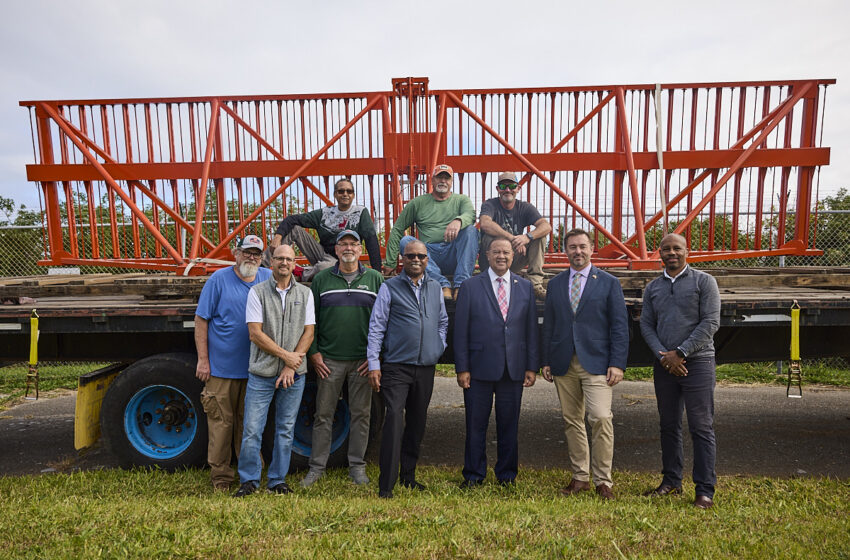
x: 585, y: 347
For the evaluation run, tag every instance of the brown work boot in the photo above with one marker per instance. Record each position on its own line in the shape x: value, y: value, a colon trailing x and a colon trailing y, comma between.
x: 575, y: 486
x: 540, y: 292
x: 605, y: 492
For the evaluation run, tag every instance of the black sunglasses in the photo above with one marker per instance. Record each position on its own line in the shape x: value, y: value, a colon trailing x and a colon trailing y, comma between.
x: 345, y: 191
x: 506, y: 186
x: 420, y: 256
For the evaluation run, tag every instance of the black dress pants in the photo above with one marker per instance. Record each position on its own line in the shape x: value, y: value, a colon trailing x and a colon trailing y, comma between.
x: 407, y: 392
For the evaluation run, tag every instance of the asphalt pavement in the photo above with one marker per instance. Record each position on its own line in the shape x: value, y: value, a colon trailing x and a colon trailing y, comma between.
x: 759, y: 432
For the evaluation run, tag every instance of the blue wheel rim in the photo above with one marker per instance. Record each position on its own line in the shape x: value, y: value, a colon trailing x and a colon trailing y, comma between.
x: 160, y: 421
x: 303, y: 438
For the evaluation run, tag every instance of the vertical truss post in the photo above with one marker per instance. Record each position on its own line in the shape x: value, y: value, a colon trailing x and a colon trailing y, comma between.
x: 808, y: 136
x: 51, y: 196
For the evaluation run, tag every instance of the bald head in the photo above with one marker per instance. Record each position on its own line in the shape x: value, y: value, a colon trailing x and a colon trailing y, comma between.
x: 674, y: 253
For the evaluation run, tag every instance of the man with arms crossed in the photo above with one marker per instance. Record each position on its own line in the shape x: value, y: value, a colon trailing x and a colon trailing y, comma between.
x: 344, y: 297
x: 505, y: 217
x: 407, y: 336
x: 585, y: 347
x: 681, y: 313
x: 221, y: 339
x: 445, y: 222
x: 328, y: 222
x: 281, y: 320
x: 496, y: 354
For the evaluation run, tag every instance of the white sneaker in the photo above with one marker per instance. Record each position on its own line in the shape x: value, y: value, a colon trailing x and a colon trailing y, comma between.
x: 311, y: 477
x: 358, y: 476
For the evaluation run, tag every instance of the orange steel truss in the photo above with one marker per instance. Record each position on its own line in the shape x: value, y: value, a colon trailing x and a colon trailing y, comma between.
x: 170, y: 183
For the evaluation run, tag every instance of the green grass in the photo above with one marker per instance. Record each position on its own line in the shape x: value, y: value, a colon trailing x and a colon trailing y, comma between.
x: 13, y: 379
x: 814, y: 373
x: 141, y: 514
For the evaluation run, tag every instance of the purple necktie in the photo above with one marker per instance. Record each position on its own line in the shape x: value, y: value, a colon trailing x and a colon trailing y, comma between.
x: 502, y: 297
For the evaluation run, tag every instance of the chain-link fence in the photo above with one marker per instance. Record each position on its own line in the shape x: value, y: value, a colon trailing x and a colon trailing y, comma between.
x: 21, y: 247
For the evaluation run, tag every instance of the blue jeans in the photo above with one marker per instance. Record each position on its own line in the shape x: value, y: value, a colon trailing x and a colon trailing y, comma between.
x: 456, y: 257
x: 258, y: 397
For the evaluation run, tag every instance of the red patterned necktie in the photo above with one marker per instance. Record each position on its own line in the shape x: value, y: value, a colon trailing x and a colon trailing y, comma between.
x: 502, y: 297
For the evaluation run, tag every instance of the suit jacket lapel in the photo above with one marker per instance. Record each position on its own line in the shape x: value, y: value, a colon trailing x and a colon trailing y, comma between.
x: 488, y: 288
x: 515, y: 293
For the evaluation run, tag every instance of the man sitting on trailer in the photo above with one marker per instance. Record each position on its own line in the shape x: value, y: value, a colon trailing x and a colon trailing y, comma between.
x: 681, y: 313
x: 221, y: 338
x: 281, y: 321
x: 444, y: 220
x: 328, y: 223
x: 505, y: 217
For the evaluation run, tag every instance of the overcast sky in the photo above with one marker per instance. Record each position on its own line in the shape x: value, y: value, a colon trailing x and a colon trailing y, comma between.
x: 113, y: 49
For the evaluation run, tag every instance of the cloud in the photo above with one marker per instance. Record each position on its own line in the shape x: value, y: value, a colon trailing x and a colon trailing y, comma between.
x: 101, y: 49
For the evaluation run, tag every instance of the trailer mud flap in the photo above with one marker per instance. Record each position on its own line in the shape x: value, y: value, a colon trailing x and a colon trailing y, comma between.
x: 90, y: 392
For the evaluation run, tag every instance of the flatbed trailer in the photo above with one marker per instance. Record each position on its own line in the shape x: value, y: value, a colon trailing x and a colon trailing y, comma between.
x: 151, y: 413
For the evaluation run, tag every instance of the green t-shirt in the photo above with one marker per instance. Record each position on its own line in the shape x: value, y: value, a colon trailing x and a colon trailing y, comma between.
x: 431, y: 216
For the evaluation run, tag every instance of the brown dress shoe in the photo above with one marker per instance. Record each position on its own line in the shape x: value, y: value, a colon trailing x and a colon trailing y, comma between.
x: 663, y: 490
x: 605, y: 492
x: 703, y: 502
x: 574, y: 487
x: 447, y: 293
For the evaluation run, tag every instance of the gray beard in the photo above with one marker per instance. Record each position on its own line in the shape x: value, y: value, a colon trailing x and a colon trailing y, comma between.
x: 248, y: 270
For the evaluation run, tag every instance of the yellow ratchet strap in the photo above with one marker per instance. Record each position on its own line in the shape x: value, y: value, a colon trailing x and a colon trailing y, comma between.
x: 32, y: 372
x: 795, y: 369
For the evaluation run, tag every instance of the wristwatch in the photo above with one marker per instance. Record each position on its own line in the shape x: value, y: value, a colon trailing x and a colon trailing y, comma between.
x: 680, y: 352
x: 530, y: 237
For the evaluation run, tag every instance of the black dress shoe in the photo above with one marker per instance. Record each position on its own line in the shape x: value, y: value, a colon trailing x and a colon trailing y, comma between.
x: 413, y: 485
x: 246, y: 489
x: 282, y: 488
x: 468, y: 484
x: 507, y: 483
x: 386, y: 494
x: 664, y: 490
x: 703, y: 502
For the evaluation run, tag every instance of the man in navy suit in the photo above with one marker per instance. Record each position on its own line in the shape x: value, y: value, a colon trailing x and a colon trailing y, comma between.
x: 496, y: 353
x: 585, y: 346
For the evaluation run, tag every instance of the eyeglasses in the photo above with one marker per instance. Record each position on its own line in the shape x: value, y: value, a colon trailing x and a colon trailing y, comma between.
x: 252, y: 254
x: 506, y: 186
x: 413, y: 256
x: 348, y: 245
x: 284, y: 259
x: 345, y: 191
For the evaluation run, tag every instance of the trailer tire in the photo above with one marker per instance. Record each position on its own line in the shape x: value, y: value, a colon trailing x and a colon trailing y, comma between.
x: 152, y: 414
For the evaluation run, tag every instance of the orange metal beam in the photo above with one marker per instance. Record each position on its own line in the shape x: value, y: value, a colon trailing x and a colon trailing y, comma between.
x: 522, y: 159
x: 115, y: 186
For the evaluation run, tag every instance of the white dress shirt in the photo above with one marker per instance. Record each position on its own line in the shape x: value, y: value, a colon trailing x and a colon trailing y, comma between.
x: 507, y: 277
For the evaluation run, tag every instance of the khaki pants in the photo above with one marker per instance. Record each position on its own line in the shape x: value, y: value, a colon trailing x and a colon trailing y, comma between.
x: 578, y: 391
x: 224, y: 402
x: 360, y: 407
x: 533, y: 258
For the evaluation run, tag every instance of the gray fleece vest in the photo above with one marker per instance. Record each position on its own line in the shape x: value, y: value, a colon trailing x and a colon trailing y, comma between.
x: 284, y: 326
x: 413, y: 335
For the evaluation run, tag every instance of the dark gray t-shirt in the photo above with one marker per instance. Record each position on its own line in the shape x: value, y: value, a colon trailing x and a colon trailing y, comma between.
x: 514, y: 220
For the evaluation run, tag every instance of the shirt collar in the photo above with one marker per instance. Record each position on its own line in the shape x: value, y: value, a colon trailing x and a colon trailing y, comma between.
x: 583, y: 272
x: 681, y: 274
x: 506, y: 276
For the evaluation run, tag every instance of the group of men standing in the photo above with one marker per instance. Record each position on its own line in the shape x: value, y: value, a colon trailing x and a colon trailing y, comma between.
x: 375, y: 335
